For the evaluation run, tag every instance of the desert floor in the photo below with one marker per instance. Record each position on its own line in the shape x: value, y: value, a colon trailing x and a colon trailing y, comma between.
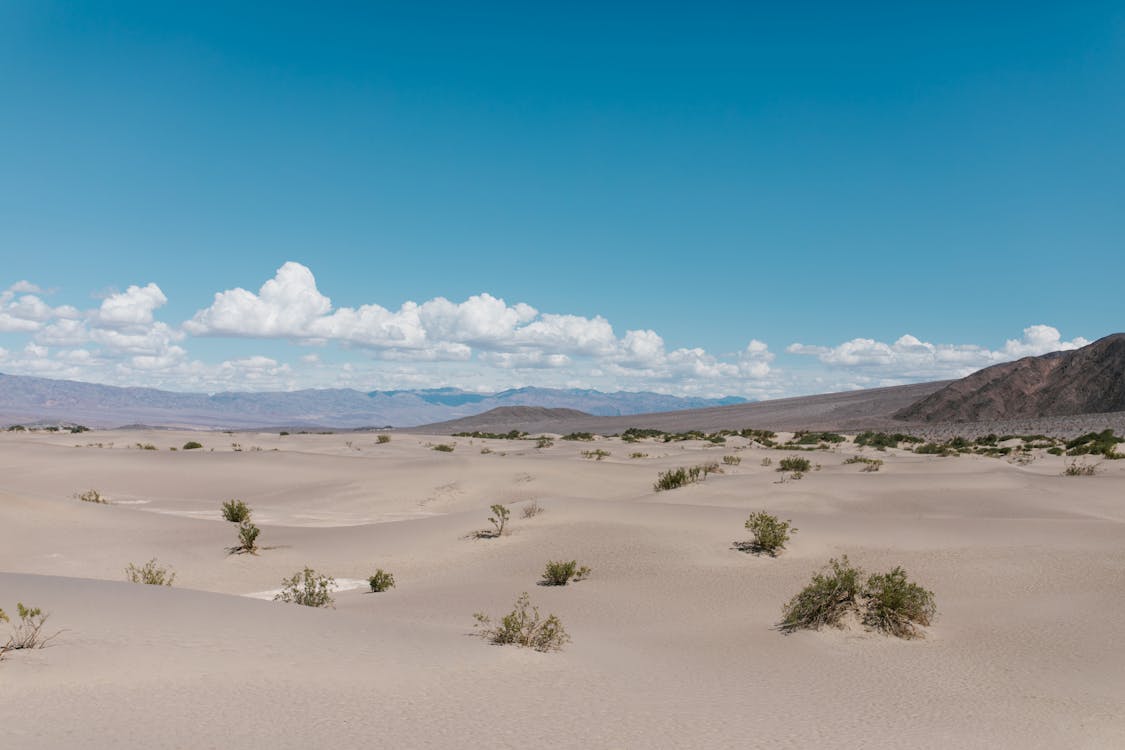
x: 674, y: 639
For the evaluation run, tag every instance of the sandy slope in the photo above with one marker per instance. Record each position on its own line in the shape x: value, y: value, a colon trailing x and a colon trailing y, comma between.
x: 673, y: 639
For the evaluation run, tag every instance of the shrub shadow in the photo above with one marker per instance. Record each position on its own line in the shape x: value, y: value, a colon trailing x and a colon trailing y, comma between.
x: 751, y: 548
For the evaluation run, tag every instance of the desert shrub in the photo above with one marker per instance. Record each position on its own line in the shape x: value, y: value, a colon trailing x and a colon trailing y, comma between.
x: 543, y: 442
x: 770, y: 533
x: 597, y: 455
x: 191, y: 445
x: 150, y: 573
x: 869, y: 464
x: 936, y: 449
x: 247, y: 537
x: 882, y: 440
x: 678, y: 477
x: 633, y: 434
x: 894, y: 605
x: 524, y: 626
x: 485, y: 451
x: 381, y: 581
x: 559, y: 573
x: 816, y: 438
x: 638, y: 455
x: 93, y: 496
x: 532, y: 509
x: 499, y: 518
x: 584, y: 436
x: 444, y: 447
x: 382, y: 439
x: 825, y: 600
x: 236, y: 511
x: 1076, y: 469
x: 1055, y: 451
x: 767, y: 461
x: 732, y: 460
x: 1104, y: 443
x: 796, y: 464
x: 307, y: 588
x: 283, y: 433
x: 27, y: 633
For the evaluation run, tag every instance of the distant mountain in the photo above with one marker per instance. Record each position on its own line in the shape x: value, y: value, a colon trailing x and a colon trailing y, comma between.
x: 1090, y: 380
x: 28, y: 399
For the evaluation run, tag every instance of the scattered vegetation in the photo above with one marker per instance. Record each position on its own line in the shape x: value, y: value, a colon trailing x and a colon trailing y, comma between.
x: 887, y: 602
x: 869, y: 464
x: 236, y: 511
x: 499, y: 518
x: 597, y: 455
x: 1095, y: 443
x: 307, y: 588
x: 150, y: 573
x: 381, y: 581
x: 543, y: 441
x: 513, y: 435
x: 882, y: 440
x: 1076, y: 468
x: 770, y: 533
x: 443, y: 447
x: 559, y: 573
x: 532, y: 509
x: 524, y: 626
x: 583, y: 436
x: 815, y: 438
x: 732, y: 460
x: 191, y: 445
x: 382, y: 439
x: 93, y: 496
x: 678, y: 477
x: 146, y: 446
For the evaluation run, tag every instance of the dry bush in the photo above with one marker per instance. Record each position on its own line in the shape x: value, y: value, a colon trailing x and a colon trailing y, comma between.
x: 524, y: 626
x: 308, y: 588
x: 869, y: 464
x: 559, y: 573
x: 732, y: 460
x: 150, y: 573
x: 543, y: 442
x: 1076, y: 469
x: 93, y: 496
x: 638, y: 455
x: 27, y: 633
x: 532, y: 509
x: 770, y: 533
x: 767, y: 461
x: 597, y: 455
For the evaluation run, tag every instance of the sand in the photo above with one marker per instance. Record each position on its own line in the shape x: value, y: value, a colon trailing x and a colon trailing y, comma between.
x: 674, y: 644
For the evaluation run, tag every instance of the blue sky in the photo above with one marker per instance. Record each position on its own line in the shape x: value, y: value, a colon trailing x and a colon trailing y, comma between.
x: 773, y: 199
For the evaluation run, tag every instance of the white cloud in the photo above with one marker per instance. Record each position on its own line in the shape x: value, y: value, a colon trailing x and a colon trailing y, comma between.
x: 909, y: 357
x: 133, y: 307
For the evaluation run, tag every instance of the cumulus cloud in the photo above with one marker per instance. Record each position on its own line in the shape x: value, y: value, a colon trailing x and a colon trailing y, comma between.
x: 133, y: 307
x: 910, y: 357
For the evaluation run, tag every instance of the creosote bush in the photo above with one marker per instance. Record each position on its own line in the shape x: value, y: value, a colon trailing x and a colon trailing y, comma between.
x: 308, y: 588
x: 150, y: 573
x: 499, y: 518
x: 524, y: 626
x: 770, y: 533
x: 559, y: 573
x: 93, y: 496
x: 248, y: 537
x: 381, y: 581
x: 382, y: 439
x: 191, y: 445
x: 236, y: 511
x: 887, y: 602
x: 795, y: 464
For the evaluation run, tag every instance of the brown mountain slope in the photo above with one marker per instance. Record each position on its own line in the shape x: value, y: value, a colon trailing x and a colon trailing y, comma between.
x: 1090, y: 380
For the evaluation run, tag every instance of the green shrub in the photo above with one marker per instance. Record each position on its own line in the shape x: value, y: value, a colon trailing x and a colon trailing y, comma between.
x: 93, y: 496
x: 382, y: 439
x: 584, y: 436
x: 1055, y: 451
x: 444, y: 447
x: 381, y: 581
x: 678, y: 477
x: 770, y: 533
x: 523, y: 626
x: 247, y: 537
x: 191, y: 445
x: 816, y: 438
x: 1103, y: 443
x: 307, y: 588
x: 499, y: 518
x: 559, y: 573
x: 936, y: 449
x: 236, y: 511
x: 732, y: 460
x: 894, y: 605
x: 825, y: 600
x: 150, y: 573
x: 638, y: 455
x: 882, y: 440
x: 795, y: 464
x: 27, y: 633
x: 597, y: 455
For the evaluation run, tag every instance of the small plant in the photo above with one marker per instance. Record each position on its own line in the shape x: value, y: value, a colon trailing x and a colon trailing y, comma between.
x: 499, y: 518
x: 524, y: 626
x: 869, y: 464
x: 308, y: 588
x: 795, y: 464
x: 191, y: 445
x: 770, y: 533
x: 27, y: 633
x: 150, y: 573
x: 894, y: 605
x: 93, y: 496
x: 485, y: 451
x: 559, y: 573
x: 382, y: 439
x: 236, y: 511
x: 767, y: 461
x: 673, y: 478
x: 381, y: 581
x: 825, y: 600
x: 543, y: 442
x: 1076, y: 469
x: 597, y: 455
x: 247, y: 537
x: 638, y: 455
x: 444, y: 447
x: 732, y: 460
x: 532, y: 509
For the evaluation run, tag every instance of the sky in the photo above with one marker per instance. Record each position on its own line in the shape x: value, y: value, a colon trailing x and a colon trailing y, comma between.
x: 748, y: 199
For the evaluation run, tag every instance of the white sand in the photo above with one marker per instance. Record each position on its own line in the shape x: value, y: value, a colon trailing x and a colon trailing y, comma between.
x: 673, y: 639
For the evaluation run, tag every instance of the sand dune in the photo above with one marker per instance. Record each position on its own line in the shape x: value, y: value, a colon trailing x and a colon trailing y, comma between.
x: 674, y: 643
